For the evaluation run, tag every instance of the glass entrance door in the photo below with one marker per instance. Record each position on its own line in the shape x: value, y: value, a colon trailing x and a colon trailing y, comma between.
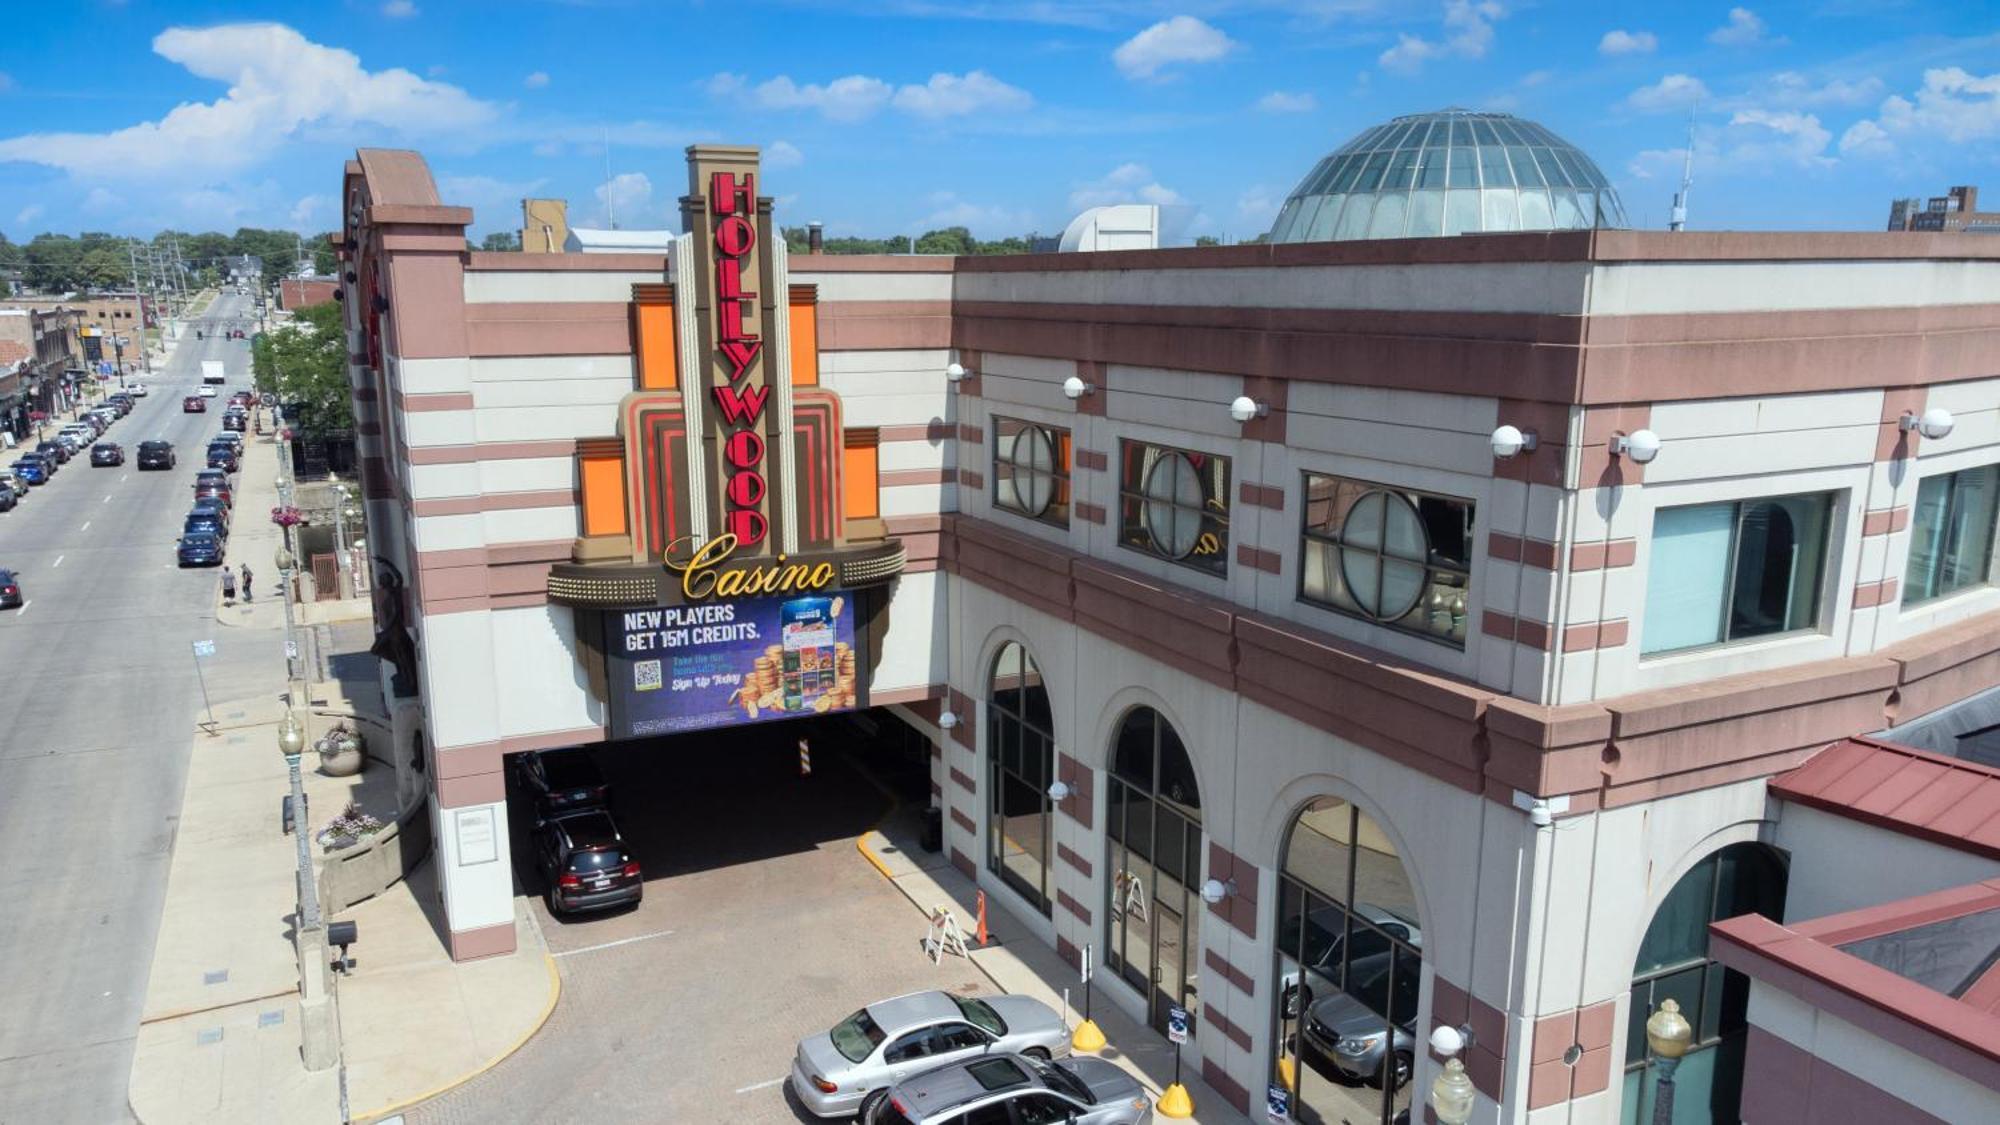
x: 1153, y: 846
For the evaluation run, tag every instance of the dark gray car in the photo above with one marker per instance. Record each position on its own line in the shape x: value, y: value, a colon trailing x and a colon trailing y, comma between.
x: 1028, y: 1091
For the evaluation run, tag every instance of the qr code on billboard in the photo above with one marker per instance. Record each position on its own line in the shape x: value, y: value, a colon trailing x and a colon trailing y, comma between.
x: 646, y: 675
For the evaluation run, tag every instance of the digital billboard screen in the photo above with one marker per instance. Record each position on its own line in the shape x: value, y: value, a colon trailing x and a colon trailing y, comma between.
x: 695, y: 667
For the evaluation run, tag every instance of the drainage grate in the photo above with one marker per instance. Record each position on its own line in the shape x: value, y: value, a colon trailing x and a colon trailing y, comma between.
x: 215, y: 976
x: 208, y: 1037
x: 270, y: 1019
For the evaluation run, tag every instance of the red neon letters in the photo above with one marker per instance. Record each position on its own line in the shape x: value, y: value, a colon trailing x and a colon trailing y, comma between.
x: 740, y: 399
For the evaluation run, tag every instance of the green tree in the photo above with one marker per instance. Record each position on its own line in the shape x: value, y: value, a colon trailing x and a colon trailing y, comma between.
x: 54, y: 263
x: 1207, y: 240
x: 304, y: 363
x: 505, y: 241
x: 951, y: 240
x: 326, y: 262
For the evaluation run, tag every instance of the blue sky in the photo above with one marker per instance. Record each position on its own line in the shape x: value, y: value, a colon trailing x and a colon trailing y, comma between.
x: 903, y: 115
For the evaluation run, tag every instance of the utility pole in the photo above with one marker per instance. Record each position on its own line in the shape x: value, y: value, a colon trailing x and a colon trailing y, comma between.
x: 139, y: 311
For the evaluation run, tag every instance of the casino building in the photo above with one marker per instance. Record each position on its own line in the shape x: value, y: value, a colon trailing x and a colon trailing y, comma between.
x: 1437, y: 617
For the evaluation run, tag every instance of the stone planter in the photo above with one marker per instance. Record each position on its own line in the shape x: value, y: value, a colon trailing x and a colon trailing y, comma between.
x: 342, y: 753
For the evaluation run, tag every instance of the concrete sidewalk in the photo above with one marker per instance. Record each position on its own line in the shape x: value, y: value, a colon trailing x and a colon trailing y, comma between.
x: 219, y: 1037
x: 1019, y: 963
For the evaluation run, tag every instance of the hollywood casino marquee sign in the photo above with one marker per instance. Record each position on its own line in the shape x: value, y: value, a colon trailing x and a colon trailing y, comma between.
x: 741, y: 397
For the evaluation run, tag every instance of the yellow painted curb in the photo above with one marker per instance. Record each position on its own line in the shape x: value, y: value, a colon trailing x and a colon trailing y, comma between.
x: 555, y: 994
x: 861, y: 845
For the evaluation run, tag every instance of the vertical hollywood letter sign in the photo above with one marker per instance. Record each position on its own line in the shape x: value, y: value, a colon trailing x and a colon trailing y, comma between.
x: 740, y: 397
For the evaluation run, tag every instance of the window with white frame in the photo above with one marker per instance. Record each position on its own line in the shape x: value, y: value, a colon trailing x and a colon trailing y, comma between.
x: 1390, y: 555
x: 1731, y: 571
x: 1951, y: 533
x: 1174, y: 503
x: 1031, y: 470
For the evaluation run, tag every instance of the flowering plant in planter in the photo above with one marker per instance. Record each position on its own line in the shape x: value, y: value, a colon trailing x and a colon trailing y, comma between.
x: 285, y: 516
x: 348, y: 829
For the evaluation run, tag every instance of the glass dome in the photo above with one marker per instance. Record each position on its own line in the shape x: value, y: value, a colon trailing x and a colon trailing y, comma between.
x: 1450, y: 172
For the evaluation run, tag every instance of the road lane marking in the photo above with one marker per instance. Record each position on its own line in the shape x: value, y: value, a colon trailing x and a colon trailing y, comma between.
x: 24, y: 607
x: 58, y: 562
x: 759, y: 1086
x: 107, y: 499
x: 613, y: 944
x: 122, y: 476
x: 86, y: 526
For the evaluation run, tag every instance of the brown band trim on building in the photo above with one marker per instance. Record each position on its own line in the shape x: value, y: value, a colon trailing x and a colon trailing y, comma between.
x: 1091, y: 513
x: 1868, y: 595
x: 963, y: 821
x: 963, y: 780
x: 1520, y: 630
x: 1069, y: 855
x: 1552, y: 1077
x: 1214, y: 1015
x: 1596, y: 634
x: 1261, y: 495
x: 474, y: 758
x: 1603, y: 555
x: 486, y: 261
x: 891, y: 478
x: 1077, y: 909
x: 971, y: 478
x: 1257, y: 558
x: 905, y: 696
x: 855, y: 326
x: 546, y: 328
x: 420, y: 403
x: 1244, y: 982
x: 971, y: 434
x: 870, y: 263
x: 477, y: 789
x: 487, y: 941
x: 931, y: 432
x: 1884, y: 521
x: 1218, y: 1080
x: 1091, y: 460
x: 1537, y: 553
x: 487, y: 451
x: 494, y: 502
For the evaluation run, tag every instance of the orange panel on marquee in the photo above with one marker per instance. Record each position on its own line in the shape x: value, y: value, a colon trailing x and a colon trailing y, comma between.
x: 805, y: 342
x: 603, y: 477
x: 658, y: 370
x: 860, y: 462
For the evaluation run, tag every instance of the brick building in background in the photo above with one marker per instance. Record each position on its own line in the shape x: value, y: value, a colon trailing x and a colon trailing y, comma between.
x: 1953, y: 212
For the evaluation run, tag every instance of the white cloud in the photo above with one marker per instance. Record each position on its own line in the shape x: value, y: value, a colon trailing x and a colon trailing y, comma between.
x: 31, y: 213
x: 399, y: 9
x: 984, y: 221
x: 1279, y: 101
x: 282, y: 86
x: 1256, y: 207
x: 1622, y: 42
x: 1743, y: 29
x: 495, y: 203
x: 1535, y: 78
x: 305, y: 208
x: 1127, y: 183
x: 548, y: 150
x: 1794, y: 90
x: 948, y: 95
x: 858, y: 97
x: 101, y: 200
x: 536, y: 80
x: 1675, y: 91
x: 1953, y: 106
x: 1865, y: 138
x: 783, y: 154
x: 1468, y: 26
x: 1787, y: 137
x: 1182, y: 39
x: 627, y: 197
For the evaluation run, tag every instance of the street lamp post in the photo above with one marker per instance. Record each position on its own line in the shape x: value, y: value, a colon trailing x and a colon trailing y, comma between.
x: 1668, y: 1035
x: 1452, y: 1094
x: 292, y: 744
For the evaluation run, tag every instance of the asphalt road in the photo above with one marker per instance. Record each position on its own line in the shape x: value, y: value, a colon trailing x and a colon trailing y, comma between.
x: 96, y: 720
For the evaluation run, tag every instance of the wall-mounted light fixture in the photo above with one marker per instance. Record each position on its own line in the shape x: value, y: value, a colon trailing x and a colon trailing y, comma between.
x: 1511, y: 440
x: 1640, y: 445
x: 947, y: 720
x: 1075, y: 387
x: 1059, y: 792
x: 1215, y: 890
x: 955, y: 372
x: 1246, y: 408
x: 1935, y: 423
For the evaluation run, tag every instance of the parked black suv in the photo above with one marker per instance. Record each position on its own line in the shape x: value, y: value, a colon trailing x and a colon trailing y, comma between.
x: 584, y: 863
x: 156, y: 455
x: 560, y: 780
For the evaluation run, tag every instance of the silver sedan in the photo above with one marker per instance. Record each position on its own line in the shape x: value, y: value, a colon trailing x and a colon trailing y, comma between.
x: 846, y: 1071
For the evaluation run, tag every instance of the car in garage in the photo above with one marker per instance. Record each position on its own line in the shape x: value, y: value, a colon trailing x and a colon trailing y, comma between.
x: 156, y: 454
x: 848, y: 1069
x: 1016, y: 1090
x: 194, y: 404
x: 106, y: 453
x: 560, y: 780
x: 584, y: 864
x: 10, y: 590
x: 199, y: 550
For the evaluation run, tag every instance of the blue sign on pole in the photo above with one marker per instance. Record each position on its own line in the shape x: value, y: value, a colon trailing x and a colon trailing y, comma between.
x: 104, y: 367
x: 1177, y: 1024
x: 1278, y: 1104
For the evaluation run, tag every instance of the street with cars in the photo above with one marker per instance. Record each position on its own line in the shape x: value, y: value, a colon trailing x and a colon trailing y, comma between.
x: 97, y: 638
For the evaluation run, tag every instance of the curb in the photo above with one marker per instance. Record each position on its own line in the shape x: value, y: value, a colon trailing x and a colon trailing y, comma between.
x: 548, y: 1009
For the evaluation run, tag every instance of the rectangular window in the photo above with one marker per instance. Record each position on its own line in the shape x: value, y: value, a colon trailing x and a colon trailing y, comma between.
x: 1031, y: 470
x: 1174, y: 504
x: 1388, y: 555
x: 1728, y: 572
x: 1951, y: 533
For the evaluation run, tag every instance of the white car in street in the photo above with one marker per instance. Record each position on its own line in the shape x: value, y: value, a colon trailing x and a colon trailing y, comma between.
x: 137, y: 390
x: 207, y: 392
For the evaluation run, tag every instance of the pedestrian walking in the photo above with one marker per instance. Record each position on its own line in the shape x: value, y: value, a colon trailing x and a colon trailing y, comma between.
x: 246, y: 582
x: 228, y: 585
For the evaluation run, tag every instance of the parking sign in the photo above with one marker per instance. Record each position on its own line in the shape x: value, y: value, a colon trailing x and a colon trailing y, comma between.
x: 1177, y: 1024
x: 1278, y: 1104
x: 204, y: 648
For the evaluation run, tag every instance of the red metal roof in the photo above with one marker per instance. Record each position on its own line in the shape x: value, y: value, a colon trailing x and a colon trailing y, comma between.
x: 1943, y: 800
x: 13, y: 352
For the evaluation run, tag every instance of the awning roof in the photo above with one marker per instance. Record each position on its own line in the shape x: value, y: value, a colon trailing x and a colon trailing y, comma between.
x: 1948, y: 801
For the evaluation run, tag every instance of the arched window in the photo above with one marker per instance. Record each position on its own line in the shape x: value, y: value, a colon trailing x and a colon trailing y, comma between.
x: 1350, y: 967
x: 1673, y: 962
x: 1020, y: 763
x: 1152, y: 841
